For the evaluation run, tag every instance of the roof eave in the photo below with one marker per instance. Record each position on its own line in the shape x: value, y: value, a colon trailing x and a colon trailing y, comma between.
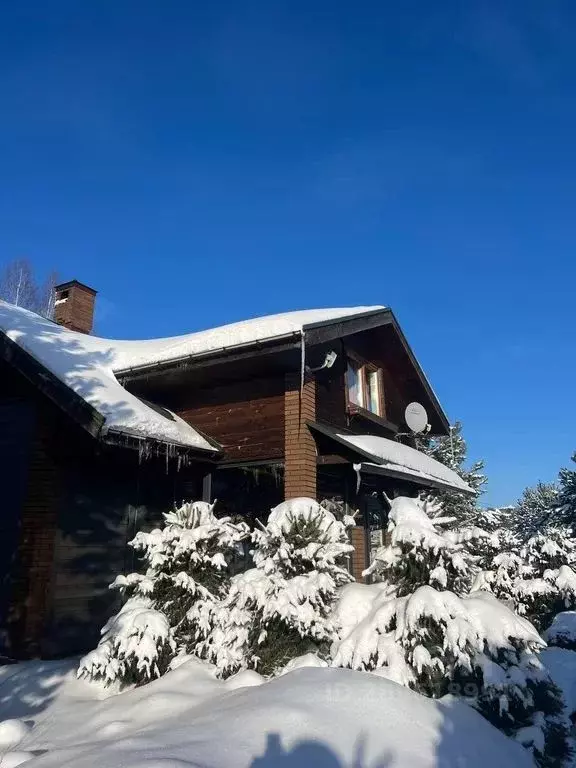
x: 81, y: 412
x: 425, y: 482
x: 238, y: 351
x: 130, y: 439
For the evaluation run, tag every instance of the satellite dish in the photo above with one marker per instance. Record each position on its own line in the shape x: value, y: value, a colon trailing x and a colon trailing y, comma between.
x: 416, y: 417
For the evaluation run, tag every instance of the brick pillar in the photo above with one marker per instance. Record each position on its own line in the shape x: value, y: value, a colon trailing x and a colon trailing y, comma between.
x: 299, y: 444
x: 358, y: 541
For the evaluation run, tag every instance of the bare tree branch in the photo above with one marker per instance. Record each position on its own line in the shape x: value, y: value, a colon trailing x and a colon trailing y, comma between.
x: 18, y: 286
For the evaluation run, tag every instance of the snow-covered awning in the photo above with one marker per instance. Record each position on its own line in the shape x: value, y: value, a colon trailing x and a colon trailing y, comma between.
x: 381, y: 456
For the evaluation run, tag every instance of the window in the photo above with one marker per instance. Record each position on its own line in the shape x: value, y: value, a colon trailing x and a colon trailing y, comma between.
x: 354, y: 383
x: 373, y: 390
x: 364, y: 387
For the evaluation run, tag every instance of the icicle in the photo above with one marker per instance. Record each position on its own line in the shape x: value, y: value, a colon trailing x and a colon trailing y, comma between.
x: 356, y: 468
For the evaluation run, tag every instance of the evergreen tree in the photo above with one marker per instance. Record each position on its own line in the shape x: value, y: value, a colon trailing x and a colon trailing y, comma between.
x: 502, y: 568
x: 282, y: 607
x: 535, y: 577
x: 171, y: 607
x: 535, y: 509
x: 452, y: 451
x: 419, y: 552
x: 551, y: 587
x: 439, y: 642
x: 567, y: 494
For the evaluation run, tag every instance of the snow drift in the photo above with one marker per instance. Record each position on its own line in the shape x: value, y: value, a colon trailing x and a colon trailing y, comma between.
x: 310, y: 718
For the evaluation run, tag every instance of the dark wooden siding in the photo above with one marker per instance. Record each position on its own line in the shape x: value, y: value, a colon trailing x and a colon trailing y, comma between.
x: 372, y: 347
x: 245, y: 417
x: 74, y: 504
x: 380, y: 347
x: 331, y: 397
x: 106, y: 501
x: 16, y: 425
x: 90, y: 550
x: 32, y: 484
x: 35, y: 568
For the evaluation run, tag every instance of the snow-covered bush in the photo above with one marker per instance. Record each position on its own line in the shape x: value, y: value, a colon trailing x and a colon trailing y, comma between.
x: 411, y: 629
x: 281, y: 608
x: 171, y: 606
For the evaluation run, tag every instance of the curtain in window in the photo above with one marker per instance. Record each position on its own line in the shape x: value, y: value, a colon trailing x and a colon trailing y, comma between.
x: 373, y: 391
x: 354, y: 384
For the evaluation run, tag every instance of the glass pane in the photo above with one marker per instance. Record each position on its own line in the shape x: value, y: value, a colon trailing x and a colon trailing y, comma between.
x: 354, y: 384
x: 373, y: 391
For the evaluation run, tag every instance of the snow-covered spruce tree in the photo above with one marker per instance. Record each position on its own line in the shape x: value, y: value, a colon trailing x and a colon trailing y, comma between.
x: 567, y: 494
x: 551, y: 588
x: 452, y: 451
x: 419, y: 552
x: 534, y: 577
x: 437, y: 641
x: 282, y: 608
x: 535, y: 509
x: 170, y: 607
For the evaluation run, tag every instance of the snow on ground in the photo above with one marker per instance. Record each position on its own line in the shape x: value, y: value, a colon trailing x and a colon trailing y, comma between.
x: 561, y: 663
x: 308, y: 718
x: 562, y: 631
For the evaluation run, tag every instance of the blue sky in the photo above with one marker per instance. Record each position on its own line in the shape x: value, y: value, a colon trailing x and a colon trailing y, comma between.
x: 199, y: 163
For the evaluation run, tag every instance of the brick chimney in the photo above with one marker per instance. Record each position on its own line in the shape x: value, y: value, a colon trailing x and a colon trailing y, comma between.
x: 74, y: 306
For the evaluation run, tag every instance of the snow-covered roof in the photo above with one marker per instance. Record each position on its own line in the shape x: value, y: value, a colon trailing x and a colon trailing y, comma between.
x: 90, y: 365
x: 86, y: 365
x: 405, y: 461
x: 136, y: 354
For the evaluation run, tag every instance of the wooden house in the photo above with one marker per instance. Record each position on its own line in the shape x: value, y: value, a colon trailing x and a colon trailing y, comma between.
x: 97, y: 437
